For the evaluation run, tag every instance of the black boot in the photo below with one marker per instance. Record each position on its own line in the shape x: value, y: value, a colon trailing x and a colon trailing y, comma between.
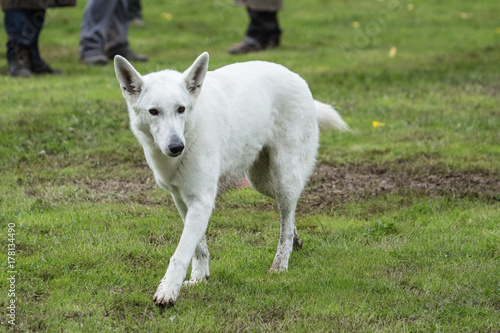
x: 41, y: 67
x: 264, y: 27
x: 19, y: 65
x: 263, y: 33
x: 38, y: 66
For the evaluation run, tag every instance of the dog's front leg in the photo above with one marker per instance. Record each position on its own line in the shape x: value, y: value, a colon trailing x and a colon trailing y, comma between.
x: 195, y: 225
x: 200, y: 264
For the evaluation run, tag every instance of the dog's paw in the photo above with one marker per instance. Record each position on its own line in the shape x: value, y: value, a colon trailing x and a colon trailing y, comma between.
x: 278, y: 266
x: 276, y: 270
x: 164, y: 298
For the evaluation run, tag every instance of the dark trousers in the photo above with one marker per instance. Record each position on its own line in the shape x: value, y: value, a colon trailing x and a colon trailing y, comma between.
x: 23, y: 28
x: 134, y: 9
x: 264, y: 27
x: 104, y: 27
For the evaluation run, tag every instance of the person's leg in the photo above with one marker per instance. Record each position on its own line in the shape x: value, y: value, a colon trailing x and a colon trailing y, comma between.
x: 38, y: 66
x: 263, y: 32
x: 117, y: 40
x: 264, y: 27
x: 23, y: 28
x: 134, y: 9
x: 117, y: 34
x: 33, y: 29
x: 96, y: 22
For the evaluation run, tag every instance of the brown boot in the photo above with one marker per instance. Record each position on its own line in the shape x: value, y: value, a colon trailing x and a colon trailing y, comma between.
x: 20, y: 65
x: 247, y: 45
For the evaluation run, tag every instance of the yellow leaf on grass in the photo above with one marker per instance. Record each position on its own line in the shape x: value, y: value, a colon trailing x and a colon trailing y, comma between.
x: 166, y: 16
x: 377, y: 124
x: 355, y: 24
x: 392, y: 52
x: 466, y: 16
x: 410, y: 7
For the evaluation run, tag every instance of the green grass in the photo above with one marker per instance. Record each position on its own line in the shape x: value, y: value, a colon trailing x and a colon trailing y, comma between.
x: 418, y: 249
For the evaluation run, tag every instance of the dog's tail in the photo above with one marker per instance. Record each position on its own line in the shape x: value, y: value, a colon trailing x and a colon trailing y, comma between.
x: 328, y: 118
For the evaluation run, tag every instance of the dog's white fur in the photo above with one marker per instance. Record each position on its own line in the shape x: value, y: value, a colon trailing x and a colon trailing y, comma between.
x: 201, y: 130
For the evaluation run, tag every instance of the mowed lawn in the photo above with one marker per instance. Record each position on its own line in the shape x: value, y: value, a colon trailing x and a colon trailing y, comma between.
x: 400, y: 221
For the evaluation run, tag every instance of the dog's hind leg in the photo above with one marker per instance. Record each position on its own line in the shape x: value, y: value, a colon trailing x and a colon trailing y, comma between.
x: 287, y: 196
x: 292, y: 159
x: 289, y: 177
x: 262, y: 179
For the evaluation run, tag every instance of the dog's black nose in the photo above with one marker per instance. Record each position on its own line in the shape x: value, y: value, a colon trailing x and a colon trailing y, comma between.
x: 176, y: 148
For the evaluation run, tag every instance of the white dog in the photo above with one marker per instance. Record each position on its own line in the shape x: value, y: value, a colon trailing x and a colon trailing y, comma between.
x: 202, y: 130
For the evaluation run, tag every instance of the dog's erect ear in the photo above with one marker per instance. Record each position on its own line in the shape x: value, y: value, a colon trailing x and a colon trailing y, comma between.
x: 130, y: 80
x: 194, y: 75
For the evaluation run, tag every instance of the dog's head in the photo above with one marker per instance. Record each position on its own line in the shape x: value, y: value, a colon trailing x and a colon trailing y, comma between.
x: 160, y: 103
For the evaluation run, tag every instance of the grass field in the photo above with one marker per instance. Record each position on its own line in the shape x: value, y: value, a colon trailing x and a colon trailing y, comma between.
x: 400, y: 221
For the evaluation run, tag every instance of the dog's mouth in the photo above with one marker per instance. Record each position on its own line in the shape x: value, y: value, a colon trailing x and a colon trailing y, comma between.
x: 170, y: 154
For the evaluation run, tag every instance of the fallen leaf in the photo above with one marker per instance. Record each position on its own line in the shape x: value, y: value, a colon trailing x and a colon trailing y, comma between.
x: 392, y: 52
x: 466, y: 16
x: 167, y: 16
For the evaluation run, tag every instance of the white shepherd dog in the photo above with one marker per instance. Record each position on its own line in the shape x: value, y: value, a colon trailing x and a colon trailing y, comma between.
x: 205, y: 130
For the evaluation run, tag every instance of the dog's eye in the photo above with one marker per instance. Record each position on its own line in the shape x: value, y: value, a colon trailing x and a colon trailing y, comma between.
x: 153, y: 112
x: 181, y: 109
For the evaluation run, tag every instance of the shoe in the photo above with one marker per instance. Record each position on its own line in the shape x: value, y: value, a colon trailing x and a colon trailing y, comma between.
x: 250, y: 44
x: 247, y: 45
x: 127, y: 54
x: 96, y: 59
x: 20, y: 65
x: 43, y: 68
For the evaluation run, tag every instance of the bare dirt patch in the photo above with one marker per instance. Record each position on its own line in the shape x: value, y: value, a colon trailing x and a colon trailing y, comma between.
x: 330, y: 186
x: 119, y: 190
x: 135, y: 186
x: 334, y: 185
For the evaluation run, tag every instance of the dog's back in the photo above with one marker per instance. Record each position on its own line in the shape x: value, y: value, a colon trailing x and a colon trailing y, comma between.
x: 245, y: 107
